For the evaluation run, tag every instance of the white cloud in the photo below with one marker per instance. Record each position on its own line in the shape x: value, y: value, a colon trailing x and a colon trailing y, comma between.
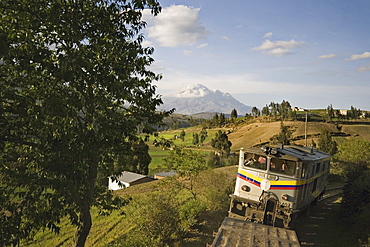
x: 202, y: 45
x: 267, y: 35
x: 358, y: 56
x: 364, y: 68
x: 327, y: 56
x: 176, y: 25
x: 147, y: 43
x: 225, y: 38
x: 186, y: 52
x: 278, y: 52
x: 279, y: 48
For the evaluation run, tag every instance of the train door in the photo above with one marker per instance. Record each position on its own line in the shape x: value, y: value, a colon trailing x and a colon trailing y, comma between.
x: 270, y: 211
x: 304, y: 177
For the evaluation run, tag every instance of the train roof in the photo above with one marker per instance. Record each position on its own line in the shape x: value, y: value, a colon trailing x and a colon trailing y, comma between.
x: 295, y: 153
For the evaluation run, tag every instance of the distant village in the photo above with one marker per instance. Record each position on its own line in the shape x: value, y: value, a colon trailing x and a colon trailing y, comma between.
x: 339, y: 113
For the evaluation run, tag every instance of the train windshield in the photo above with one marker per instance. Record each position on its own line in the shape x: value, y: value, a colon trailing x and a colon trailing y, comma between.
x: 255, y: 161
x: 282, y: 166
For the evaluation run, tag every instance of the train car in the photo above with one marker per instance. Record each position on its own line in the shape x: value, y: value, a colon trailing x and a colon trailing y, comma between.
x: 274, y: 184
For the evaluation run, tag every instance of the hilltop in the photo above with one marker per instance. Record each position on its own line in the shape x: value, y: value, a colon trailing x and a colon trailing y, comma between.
x: 257, y: 132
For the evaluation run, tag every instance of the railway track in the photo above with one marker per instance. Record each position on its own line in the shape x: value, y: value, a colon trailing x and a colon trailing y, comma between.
x: 317, y: 226
x: 332, y: 192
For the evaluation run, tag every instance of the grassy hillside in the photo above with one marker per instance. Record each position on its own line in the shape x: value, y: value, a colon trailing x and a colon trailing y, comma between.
x: 107, y: 229
x: 255, y: 133
x: 259, y: 133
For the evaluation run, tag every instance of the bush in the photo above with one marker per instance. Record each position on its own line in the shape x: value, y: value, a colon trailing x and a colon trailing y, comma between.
x: 157, y: 220
x: 356, y: 205
x: 216, y: 195
x: 190, y: 212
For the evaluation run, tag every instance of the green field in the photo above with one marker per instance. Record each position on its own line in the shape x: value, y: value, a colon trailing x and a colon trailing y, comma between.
x: 158, y: 153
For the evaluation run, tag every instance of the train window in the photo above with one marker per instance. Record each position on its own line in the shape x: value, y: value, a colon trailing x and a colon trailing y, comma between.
x: 282, y: 166
x: 304, y: 170
x: 318, y: 167
x: 255, y: 161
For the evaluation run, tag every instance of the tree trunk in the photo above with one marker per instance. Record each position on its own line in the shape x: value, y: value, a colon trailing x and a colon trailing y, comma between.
x: 83, y: 228
x: 84, y: 221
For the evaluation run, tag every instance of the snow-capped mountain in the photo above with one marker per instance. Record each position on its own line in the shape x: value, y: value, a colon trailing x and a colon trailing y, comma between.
x: 198, y: 98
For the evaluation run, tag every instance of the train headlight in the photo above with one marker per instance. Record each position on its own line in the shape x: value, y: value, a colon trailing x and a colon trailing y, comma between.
x: 246, y: 188
x: 285, y: 197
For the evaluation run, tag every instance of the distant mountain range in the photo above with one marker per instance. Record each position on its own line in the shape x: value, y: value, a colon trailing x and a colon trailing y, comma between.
x: 198, y: 98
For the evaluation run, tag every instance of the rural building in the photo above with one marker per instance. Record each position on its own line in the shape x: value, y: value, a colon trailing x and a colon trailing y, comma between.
x: 343, y: 112
x: 128, y: 179
x: 363, y: 114
x: 161, y: 175
x: 298, y: 109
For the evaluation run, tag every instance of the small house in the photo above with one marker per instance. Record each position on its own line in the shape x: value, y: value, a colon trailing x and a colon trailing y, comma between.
x: 127, y: 179
x: 161, y: 175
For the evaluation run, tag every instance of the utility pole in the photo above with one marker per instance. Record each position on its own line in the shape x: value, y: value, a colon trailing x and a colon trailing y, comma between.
x: 305, y: 131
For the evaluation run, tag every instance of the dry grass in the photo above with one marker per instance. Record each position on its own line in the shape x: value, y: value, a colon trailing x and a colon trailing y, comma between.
x: 253, y: 134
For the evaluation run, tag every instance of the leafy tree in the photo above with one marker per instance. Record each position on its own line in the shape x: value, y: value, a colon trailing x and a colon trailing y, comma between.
x: 326, y: 142
x: 140, y: 157
x: 222, y: 120
x: 187, y: 164
x: 352, y: 157
x: 274, y: 109
x: 265, y: 111
x: 354, y: 150
x: 215, y: 121
x: 221, y: 143
x: 284, y: 136
x: 182, y: 135
x: 74, y: 87
x: 203, y: 135
x: 352, y: 161
x: 234, y: 114
x: 330, y: 113
x: 355, y: 206
x: 354, y: 113
x: 255, y: 112
x: 195, y: 138
x: 214, y: 160
x: 285, y: 109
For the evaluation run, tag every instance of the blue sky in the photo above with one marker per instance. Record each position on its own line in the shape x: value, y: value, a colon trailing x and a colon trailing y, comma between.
x: 308, y: 52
